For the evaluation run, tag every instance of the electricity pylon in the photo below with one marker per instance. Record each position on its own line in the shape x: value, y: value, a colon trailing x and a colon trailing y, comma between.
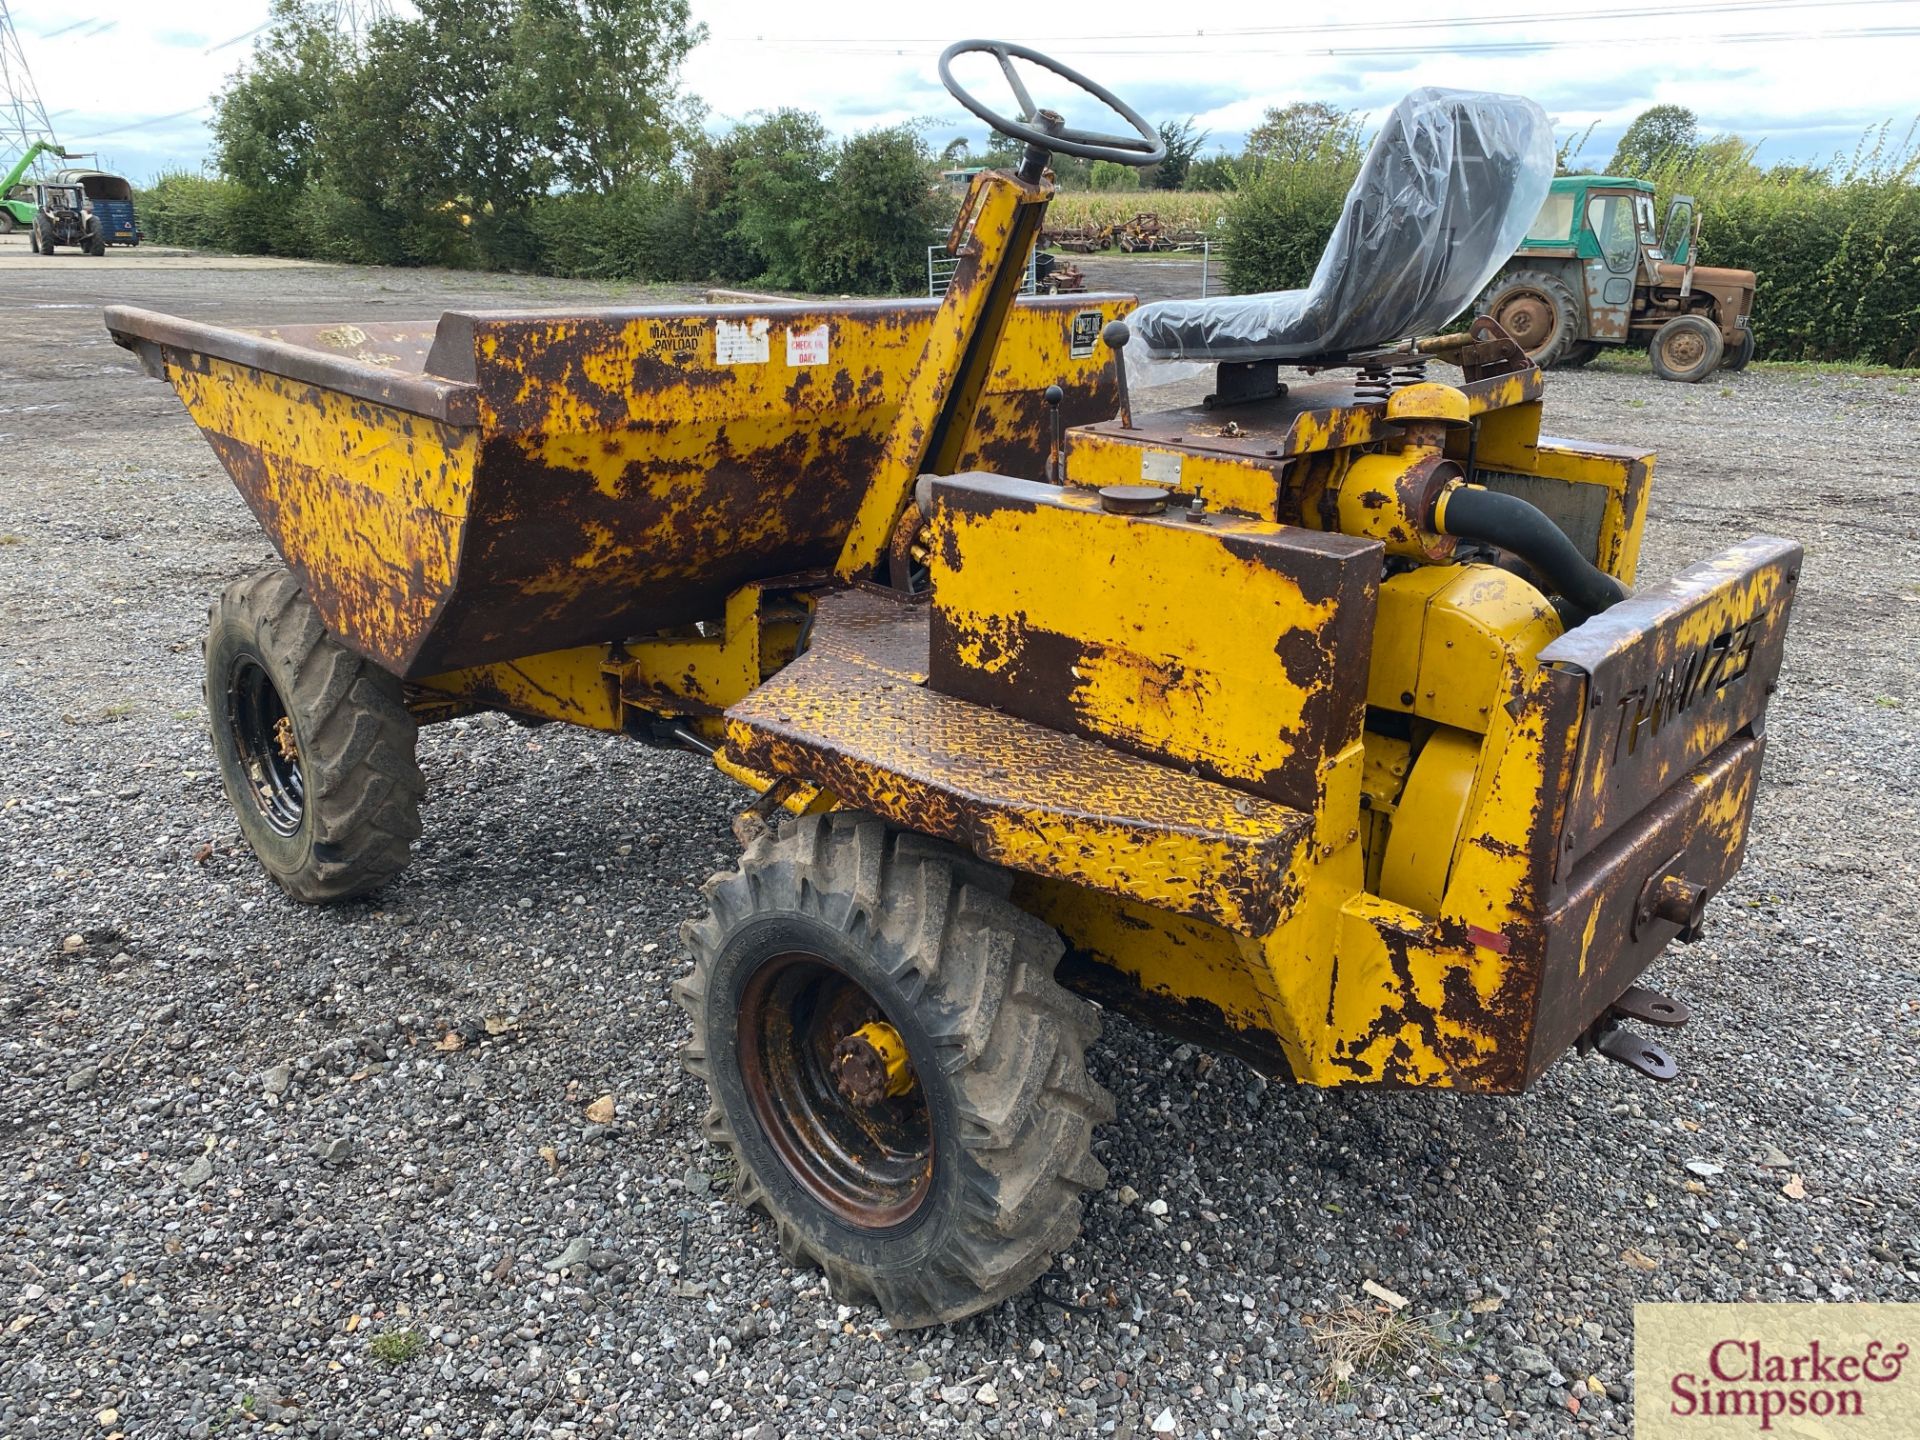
x: 23, y: 117
x: 355, y: 17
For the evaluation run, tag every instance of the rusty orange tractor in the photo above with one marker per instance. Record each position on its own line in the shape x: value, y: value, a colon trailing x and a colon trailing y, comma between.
x: 1317, y: 723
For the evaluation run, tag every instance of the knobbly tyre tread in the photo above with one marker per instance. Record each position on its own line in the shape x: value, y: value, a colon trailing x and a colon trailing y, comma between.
x: 1010, y: 1041
x: 1566, y: 332
x: 357, y: 746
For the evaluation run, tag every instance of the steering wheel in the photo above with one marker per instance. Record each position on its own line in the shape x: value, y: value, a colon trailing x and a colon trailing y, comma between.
x: 1144, y: 147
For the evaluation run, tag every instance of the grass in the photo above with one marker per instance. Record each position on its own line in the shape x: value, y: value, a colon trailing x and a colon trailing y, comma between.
x: 1630, y: 360
x: 12, y: 539
x: 396, y: 1347
x: 1833, y: 367
x: 1362, y: 1339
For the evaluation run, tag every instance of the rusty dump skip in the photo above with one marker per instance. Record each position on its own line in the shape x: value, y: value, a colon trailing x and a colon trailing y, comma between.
x: 499, y: 485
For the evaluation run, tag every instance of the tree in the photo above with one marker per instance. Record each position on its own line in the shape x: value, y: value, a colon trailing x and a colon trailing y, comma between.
x: 1182, y: 144
x: 781, y: 169
x: 270, y: 117
x: 487, y: 102
x: 1219, y: 171
x: 595, y: 82
x: 957, y: 154
x: 1305, y: 130
x: 1107, y: 175
x: 1664, y: 134
x: 871, y: 235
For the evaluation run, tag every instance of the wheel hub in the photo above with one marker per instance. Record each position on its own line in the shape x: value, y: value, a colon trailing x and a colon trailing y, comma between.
x: 833, y: 1090
x: 870, y: 1065
x: 1684, y: 350
x: 1528, y: 318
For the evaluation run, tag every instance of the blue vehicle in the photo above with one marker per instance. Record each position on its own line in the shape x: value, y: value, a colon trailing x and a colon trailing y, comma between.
x: 110, y: 199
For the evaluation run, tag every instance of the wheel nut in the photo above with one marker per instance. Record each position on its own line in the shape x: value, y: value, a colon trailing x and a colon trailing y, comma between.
x: 870, y: 1065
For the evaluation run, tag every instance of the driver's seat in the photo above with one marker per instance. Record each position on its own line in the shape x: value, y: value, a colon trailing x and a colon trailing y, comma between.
x: 1445, y: 195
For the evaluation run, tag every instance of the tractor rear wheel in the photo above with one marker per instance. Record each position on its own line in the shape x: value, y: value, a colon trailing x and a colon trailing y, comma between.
x: 899, y: 1079
x: 1538, y: 311
x: 1740, y: 354
x: 1687, y: 348
x: 7, y: 222
x: 316, y: 749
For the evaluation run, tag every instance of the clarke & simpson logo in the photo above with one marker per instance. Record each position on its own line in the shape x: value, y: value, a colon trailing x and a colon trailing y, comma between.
x: 1713, y: 1371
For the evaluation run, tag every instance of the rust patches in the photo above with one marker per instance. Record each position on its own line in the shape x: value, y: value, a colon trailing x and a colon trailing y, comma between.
x: 1671, y: 675
x: 1184, y: 1017
x: 1013, y: 792
x: 1037, y: 621
x: 1588, y: 950
x: 623, y: 480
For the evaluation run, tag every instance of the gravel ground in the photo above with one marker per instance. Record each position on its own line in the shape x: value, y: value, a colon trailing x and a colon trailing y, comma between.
x: 246, y: 1178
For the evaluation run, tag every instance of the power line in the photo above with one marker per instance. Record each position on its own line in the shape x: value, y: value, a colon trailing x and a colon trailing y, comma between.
x: 1527, y: 47
x: 1472, y: 47
x: 146, y: 124
x: 1332, y: 27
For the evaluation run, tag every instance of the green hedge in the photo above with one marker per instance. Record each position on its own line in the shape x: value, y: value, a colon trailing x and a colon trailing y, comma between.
x: 1837, y: 253
x: 1280, y: 218
x: 1838, y: 266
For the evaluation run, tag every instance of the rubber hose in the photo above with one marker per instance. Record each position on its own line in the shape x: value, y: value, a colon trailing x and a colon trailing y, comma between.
x: 1470, y: 513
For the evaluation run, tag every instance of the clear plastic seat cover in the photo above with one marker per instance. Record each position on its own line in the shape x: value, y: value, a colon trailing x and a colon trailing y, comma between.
x: 1445, y: 195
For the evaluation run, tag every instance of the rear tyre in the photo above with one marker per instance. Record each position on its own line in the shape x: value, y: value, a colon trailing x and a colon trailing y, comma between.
x: 316, y: 750
x: 1740, y: 354
x: 1538, y: 311
x: 97, y: 246
x: 7, y: 223
x: 955, y: 1185
x: 1580, y: 353
x: 1687, y: 348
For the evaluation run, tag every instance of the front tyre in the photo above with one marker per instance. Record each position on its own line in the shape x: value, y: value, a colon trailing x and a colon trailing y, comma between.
x: 898, y: 1077
x: 1688, y: 348
x: 316, y: 750
x: 1740, y: 354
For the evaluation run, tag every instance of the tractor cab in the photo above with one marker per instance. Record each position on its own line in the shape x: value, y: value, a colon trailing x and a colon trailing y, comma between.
x: 1599, y: 266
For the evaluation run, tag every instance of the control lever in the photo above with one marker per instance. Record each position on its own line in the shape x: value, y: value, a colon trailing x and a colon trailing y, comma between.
x: 1116, y: 335
x: 1056, y: 459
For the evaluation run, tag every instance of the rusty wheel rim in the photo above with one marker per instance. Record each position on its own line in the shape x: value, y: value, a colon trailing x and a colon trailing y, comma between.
x: 1684, y: 350
x: 869, y: 1165
x: 269, y: 756
x: 1527, y: 316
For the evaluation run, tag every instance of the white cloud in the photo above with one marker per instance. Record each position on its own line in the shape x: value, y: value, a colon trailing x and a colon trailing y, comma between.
x: 131, y: 79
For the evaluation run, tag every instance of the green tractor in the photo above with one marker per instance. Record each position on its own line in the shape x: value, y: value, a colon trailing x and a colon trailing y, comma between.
x: 1593, y: 272
x: 19, y: 197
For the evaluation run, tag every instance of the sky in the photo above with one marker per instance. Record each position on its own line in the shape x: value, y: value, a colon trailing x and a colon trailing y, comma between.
x: 131, y: 79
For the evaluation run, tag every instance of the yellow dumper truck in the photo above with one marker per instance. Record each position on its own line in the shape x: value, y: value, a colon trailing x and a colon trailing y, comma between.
x: 1318, y: 722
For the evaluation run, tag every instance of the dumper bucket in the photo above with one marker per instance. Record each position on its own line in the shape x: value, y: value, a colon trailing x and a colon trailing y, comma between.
x: 493, y: 486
